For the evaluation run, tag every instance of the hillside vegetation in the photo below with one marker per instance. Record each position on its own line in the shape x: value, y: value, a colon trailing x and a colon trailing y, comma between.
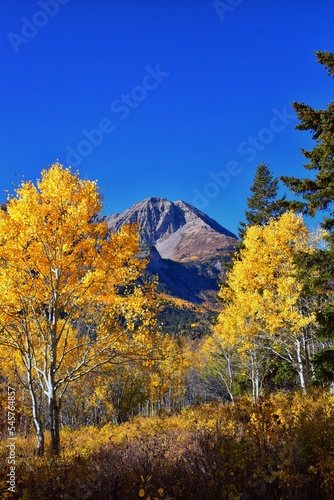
x: 112, y: 387
x: 281, y: 447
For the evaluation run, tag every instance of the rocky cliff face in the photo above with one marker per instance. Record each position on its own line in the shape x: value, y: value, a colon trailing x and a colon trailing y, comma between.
x: 187, y: 247
x: 178, y: 230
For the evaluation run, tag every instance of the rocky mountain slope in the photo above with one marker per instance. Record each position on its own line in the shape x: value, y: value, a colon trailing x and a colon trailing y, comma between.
x: 187, y: 247
x: 178, y: 231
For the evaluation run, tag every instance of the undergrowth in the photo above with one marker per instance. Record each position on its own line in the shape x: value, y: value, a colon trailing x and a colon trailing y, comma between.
x: 281, y: 448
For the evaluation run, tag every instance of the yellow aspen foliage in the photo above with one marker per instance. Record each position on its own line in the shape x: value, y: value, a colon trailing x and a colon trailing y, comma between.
x: 263, y: 297
x: 70, y: 293
x: 262, y: 286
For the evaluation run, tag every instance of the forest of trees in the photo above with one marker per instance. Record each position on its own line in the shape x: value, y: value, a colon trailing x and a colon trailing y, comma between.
x: 81, y: 347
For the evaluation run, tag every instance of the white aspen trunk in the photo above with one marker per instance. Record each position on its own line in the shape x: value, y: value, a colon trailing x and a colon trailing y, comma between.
x: 37, y: 423
x: 331, y: 388
x: 230, y: 378
x: 255, y: 379
x: 54, y: 425
x: 300, y: 366
x: 54, y: 410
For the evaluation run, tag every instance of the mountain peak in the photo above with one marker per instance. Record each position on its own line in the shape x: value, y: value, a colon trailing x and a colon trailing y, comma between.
x: 154, y: 199
x: 178, y: 230
x: 187, y: 247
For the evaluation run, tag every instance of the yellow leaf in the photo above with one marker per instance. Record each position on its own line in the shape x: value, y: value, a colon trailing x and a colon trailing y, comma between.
x: 70, y: 296
x: 263, y: 293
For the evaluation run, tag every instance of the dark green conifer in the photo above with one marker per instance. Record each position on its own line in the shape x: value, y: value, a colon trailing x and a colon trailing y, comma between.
x: 317, y: 193
x: 263, y: 204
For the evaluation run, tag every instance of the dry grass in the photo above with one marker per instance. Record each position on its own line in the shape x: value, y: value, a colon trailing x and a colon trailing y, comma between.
x: 280, y: 449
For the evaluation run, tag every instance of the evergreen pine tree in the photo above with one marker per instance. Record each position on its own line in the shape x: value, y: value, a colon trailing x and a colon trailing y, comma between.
x: 317, y: 194
x: 263, y: 204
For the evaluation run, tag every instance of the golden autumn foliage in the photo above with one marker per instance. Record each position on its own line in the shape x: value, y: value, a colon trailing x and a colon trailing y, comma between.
x: 78, y: 332
x: 70, y: 295
x: 281, y: 447
x: 149, y: 385
x: 264, y: 307
x: 263, y: 286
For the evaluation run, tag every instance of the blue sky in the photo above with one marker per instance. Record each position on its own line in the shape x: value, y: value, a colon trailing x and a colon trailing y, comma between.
x: 179, y: 99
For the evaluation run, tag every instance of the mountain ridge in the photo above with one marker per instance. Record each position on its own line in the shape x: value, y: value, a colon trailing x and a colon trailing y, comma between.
x: 186, y: 246
x: 178, y: 230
